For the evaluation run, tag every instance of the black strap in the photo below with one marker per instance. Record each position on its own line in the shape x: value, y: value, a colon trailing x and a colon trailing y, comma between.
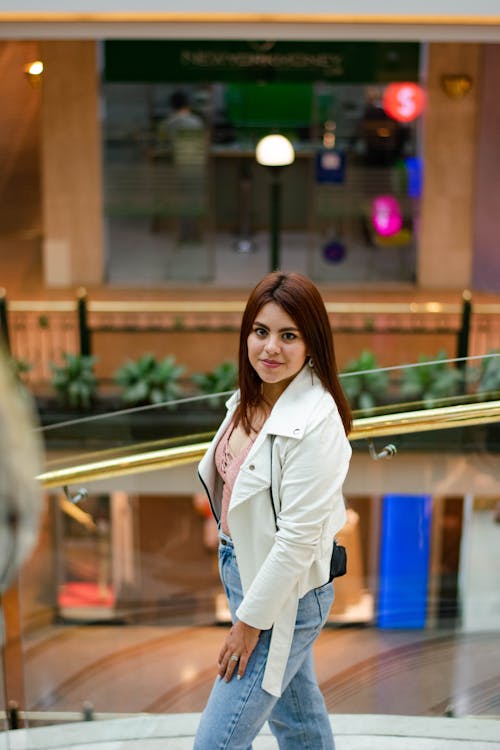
x: 271, y: 484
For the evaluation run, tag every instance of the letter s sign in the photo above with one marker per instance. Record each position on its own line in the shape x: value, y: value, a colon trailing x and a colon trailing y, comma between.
x: 403, y: 102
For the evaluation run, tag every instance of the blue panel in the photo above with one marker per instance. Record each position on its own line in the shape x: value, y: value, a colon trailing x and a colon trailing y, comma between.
x: 414, y: 169
x: 330, y: 166
x: 404, y: 561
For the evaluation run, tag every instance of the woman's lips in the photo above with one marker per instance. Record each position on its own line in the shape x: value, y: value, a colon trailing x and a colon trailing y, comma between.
x: 270, y: 363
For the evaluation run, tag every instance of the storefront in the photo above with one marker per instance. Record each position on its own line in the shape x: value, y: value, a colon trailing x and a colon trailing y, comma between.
x: 195, y: 205
x: 108, y: 206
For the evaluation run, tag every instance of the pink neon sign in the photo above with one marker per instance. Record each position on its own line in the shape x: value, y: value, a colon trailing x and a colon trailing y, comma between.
x: 386, y: 215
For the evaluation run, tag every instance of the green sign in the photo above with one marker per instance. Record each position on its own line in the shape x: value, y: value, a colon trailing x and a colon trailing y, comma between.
x: 157, y: 61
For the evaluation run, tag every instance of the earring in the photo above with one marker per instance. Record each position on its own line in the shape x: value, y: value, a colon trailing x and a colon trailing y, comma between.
x: 310, y: 362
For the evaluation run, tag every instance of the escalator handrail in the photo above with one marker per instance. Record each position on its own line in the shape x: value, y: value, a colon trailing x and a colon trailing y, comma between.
x: 153, y: 459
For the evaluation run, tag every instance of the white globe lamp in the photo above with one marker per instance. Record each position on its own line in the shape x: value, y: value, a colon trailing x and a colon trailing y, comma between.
x: 275, y: 151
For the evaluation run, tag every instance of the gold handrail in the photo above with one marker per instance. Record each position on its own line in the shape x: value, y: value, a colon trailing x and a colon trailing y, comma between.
x: 237, y: 306
x: 229, y: 306
x: 51, y: 305
x: 222, y: 306
x: 425, y: 420
x: 123, y: 465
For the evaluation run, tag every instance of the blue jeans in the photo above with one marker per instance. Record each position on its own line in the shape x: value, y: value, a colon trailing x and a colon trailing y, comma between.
x: 237, y: 710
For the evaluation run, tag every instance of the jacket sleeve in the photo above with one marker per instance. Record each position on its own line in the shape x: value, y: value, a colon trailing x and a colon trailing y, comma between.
x: 313, y: 471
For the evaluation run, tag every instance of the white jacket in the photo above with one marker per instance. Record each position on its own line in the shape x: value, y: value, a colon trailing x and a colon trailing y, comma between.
x: 281, y: 559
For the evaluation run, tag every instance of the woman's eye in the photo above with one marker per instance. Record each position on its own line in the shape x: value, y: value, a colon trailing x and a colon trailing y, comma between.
x: 260, y: 331
x: 289, y: 336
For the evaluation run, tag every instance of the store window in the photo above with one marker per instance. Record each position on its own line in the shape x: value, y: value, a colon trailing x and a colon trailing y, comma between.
x: 185, y: 200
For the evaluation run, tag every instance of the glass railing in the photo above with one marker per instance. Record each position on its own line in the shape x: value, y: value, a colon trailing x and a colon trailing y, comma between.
x: 120, y: 611
x: 434, y: 383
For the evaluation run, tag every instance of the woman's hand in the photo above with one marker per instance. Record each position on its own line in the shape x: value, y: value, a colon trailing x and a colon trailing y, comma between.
x: 240, y: 642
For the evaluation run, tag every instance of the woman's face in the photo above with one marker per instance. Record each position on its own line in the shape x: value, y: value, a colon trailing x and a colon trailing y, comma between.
x: 276, y: 348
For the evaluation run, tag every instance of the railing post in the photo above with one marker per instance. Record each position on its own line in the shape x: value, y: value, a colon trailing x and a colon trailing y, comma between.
x: 13, y: 715
x: 463, y: 335
x: 88, y: 711
x: 83, y: 328
x: 4, y: 321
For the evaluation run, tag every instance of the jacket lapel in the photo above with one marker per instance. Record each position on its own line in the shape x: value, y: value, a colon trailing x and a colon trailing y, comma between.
x: 287, y: 419
x: 295, y: 405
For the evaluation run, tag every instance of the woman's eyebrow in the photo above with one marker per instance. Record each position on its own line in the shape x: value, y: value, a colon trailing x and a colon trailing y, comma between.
x: 281, y: 330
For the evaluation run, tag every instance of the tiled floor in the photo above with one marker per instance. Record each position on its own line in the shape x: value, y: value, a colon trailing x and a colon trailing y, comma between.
x: 140, y: 257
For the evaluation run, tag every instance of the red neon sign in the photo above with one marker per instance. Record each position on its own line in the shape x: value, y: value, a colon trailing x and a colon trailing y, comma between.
x: 403, y: 101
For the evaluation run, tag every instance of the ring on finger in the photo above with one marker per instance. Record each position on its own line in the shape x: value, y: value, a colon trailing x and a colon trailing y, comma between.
x: 234, y: 657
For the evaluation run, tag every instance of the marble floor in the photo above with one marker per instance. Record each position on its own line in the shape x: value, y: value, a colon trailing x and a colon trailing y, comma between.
x: 130, y: 669
x: 176, y: 732
x: 145, y: 685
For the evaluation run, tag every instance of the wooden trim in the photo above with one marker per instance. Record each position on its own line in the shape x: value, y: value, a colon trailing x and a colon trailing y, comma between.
x: 247, y: 18
x: 13, y: 646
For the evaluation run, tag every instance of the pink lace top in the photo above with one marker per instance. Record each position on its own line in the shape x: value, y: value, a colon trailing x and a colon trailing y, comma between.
x: 228, y: 467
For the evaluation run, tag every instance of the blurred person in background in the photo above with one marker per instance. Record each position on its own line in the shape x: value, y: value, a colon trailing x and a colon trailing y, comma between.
x: 20, y: 461
x: 182, y: 135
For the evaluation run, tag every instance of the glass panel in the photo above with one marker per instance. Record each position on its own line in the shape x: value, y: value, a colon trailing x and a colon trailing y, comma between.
x: 120, y: 606
x: 122, y: 433
x: 435, y: 381
x: 122, y: 609
x: 182, y: 184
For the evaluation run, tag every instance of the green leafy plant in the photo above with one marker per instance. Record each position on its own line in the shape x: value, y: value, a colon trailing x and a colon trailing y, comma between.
x: 149, y: 381
x: 432, y: 380
x: 488, y: 375
x: 223, y: 378
x: 363, y: 388
x: 19, y: 367
x: 75, y: 380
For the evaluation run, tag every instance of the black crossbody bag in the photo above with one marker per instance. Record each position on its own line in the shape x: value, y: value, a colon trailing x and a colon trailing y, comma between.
x: 338, y: 561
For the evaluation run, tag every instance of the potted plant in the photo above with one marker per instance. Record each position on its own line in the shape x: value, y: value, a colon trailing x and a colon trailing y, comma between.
x: 19, y: 367
x: 76, y: 387
x: 149, y: 381
x: 431, y: 381
x: 364, y: 388
x: 75, y: 381
x: 488, y: 376
x: 222, y: 379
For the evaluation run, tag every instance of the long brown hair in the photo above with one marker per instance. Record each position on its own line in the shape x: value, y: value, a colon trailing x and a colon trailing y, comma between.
x: 301, y: 300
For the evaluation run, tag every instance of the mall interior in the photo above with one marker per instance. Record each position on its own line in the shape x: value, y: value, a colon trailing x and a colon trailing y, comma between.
x: 136, y: 214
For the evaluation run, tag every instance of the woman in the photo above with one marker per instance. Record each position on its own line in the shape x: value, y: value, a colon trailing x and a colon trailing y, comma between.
x: 274, y: 475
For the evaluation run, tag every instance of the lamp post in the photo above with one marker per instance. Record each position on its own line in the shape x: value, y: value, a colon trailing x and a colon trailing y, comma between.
x: 275, y: 152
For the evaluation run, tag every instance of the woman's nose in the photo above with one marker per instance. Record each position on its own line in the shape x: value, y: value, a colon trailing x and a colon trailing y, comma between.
x: 272, y: 344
